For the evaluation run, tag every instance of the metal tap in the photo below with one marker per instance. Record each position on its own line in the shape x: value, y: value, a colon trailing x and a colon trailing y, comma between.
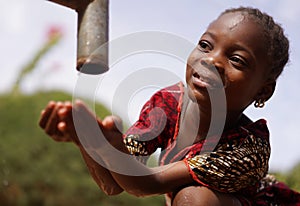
x: 92, y: 36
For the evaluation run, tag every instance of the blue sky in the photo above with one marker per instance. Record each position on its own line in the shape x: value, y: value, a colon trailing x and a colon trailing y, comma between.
x: 25, y: 22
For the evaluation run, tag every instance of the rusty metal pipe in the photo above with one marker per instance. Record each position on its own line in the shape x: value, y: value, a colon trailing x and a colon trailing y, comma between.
x: 92, y: 36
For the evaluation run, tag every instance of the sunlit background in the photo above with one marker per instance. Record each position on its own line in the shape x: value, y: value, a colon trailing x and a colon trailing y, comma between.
x: 24, y: 26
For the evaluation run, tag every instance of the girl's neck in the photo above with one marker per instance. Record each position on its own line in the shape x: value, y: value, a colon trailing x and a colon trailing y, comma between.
x: 217, y: 123
x: 201, y: 122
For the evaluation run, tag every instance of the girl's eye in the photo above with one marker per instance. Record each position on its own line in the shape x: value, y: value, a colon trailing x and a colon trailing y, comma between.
x: 238, y: 61
x: 204, y: 46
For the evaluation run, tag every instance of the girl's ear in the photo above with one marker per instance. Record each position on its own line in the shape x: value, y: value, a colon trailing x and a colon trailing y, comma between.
x: 266, y: 91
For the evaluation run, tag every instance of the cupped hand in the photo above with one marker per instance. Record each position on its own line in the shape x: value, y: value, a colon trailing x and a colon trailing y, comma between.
x: 56, y: 120
x: 67, y: 122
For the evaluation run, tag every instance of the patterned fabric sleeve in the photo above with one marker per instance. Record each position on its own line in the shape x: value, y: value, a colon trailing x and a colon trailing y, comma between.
x: 155, y: 124
x: 232, y: 167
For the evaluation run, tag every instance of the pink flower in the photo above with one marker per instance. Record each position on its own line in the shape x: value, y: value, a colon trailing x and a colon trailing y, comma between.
x: 54, y: 32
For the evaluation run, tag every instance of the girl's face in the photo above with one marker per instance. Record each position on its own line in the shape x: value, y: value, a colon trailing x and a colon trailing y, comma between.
x: 231, y: 55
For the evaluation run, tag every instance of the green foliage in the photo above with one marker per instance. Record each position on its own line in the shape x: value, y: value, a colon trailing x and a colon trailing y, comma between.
x: 35, y: 170
x: 291, y: 178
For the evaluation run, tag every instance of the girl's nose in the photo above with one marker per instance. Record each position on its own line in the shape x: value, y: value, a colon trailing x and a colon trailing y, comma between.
x: 212, y: 63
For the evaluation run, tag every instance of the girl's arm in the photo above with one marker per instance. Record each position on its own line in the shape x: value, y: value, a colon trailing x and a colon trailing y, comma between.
x: 234, y: 165
x: 214, y: 170
x: 130, y: 174
x: 161, y: 180
x: 56, y: 120
x: 101, y: 175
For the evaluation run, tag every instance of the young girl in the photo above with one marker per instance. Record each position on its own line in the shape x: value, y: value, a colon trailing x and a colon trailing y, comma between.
x: 239, y: 57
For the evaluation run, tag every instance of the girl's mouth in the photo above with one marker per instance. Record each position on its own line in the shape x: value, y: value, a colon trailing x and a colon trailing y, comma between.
x: 206, y: 80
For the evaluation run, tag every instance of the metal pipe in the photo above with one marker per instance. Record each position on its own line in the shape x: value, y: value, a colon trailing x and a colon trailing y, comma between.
x: 92, y: 36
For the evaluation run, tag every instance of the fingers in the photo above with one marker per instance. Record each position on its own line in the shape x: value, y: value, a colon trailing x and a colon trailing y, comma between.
x: 113, y: 123
x: 109, y: 122
x: 65, y: 117
x: 83, y: 117
x: 62, y: 126
x: 46, y: 114
x: 92, y: 131
x: 66, y: 122
x: 55, y: 118
x: 87, y: 126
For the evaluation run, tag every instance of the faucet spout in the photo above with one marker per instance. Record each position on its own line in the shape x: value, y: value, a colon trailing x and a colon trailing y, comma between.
x: 92, y: 34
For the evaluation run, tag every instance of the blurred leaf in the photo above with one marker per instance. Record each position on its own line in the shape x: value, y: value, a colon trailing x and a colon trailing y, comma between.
x: 54, y: 36
x: 291, y: 178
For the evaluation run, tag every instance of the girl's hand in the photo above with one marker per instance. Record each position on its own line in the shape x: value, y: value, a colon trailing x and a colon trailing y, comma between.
x: 95, y: 133
x: 58, y: 122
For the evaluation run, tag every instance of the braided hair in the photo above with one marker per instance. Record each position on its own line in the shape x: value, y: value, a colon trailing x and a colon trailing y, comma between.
x: 276, y: 41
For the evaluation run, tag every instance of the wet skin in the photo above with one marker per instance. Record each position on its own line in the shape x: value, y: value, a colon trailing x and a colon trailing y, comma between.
x: 232, y: 52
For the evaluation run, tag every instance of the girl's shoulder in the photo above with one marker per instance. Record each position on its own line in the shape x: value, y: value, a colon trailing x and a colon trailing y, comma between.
x: 169, y: 98
x: 176, y: 90
x: 257, y: 130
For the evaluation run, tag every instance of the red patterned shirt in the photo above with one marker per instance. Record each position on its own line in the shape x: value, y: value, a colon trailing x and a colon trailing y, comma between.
x: 236, y: 163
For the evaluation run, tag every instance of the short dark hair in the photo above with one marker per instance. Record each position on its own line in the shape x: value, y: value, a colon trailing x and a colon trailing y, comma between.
x: 277, y: 42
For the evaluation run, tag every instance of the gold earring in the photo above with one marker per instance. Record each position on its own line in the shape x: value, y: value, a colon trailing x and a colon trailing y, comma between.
x: 259, y: 103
